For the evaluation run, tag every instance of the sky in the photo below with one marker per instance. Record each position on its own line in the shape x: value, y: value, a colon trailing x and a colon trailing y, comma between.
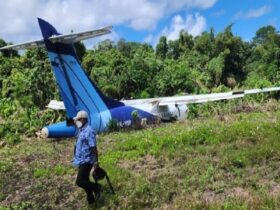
x: 136, y: 20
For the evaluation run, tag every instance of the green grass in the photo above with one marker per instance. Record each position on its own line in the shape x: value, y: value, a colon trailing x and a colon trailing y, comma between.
x: 205, y: 163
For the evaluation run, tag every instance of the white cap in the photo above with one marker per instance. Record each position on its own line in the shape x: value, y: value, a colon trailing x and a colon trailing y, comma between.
x: 81, y: 115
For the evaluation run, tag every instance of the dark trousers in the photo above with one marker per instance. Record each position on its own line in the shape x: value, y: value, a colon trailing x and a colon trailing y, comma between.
x: 84, y: 182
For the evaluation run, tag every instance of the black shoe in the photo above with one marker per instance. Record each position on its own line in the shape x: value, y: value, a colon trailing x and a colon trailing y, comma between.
x: 90, y: 199
x: 97, y: 193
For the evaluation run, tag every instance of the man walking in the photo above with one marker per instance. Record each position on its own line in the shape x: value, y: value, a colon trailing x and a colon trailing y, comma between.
x: 86, y: 156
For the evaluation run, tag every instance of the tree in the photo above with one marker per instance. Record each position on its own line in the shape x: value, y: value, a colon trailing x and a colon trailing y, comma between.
x: 105, y: 45
x: 265, y: 34
x: 2, y: 43
x: 41, y: 85
x: 216, y: 66
x: 80, y: 50
x: 124, y: 47
x: 186, y: 42
x: 162, y: 48
x: 174, y: 78
x: 7, y: 53
x: 264, y: 59
x: 235, y: 52
x: 173, y: 49
x: 205, y: 43
x: 7, y: 64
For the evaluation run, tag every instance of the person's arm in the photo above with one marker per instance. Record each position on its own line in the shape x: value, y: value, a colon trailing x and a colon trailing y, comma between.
x: 94, y: 152
x: 93, y: 147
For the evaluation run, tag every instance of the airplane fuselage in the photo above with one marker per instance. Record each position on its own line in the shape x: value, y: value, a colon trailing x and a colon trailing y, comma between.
x: 124, y: 116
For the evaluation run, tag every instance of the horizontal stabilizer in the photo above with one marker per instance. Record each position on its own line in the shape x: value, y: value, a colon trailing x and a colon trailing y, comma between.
x: 65, y: 39
x: 26, y: 45
x: 76, y: 37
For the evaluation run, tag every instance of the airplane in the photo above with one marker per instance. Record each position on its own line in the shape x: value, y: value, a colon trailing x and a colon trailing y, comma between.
x: 78, y: 92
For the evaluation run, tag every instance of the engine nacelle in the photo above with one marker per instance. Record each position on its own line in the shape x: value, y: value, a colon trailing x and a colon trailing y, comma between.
x: 59, y: 130
x: 172, y: 112
x: 182, y: 111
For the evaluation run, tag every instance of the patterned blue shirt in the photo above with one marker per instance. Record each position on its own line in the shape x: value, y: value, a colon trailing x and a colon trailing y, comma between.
x: 85, y: 141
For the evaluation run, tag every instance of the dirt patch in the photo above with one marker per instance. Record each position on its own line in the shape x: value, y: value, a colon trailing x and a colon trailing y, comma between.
x: 266, y: 171
x: 272, y: 187
x: 243, y: 194
x: 147, y: 162
x: 27, y: 160
x: 247, y: 108
x: 274, y: 191
x: 212, y: 197
x: 152, y: 168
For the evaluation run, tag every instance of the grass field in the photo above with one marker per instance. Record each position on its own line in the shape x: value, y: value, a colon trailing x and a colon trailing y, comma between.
x: 228, y: 161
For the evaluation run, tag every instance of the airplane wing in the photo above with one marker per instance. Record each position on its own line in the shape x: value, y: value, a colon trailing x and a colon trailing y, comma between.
x: 187, y: 99
x: 196, y: 99
x: 66, y: 39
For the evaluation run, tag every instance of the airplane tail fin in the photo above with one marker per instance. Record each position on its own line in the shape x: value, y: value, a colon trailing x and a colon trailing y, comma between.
x: 76, y: 89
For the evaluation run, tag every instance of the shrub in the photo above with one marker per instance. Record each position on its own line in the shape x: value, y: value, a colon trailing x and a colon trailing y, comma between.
x: 113, y: 125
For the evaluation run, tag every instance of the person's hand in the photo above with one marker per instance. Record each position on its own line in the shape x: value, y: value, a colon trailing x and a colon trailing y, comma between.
x: 96, y: 165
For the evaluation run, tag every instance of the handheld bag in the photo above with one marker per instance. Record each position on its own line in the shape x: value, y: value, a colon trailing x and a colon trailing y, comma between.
x: 99, y: 174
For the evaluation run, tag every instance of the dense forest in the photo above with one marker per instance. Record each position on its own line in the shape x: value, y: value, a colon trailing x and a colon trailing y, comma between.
x: 210, y: 62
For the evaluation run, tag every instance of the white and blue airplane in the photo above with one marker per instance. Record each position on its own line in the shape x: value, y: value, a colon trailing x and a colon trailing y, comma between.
x: 78, y: 92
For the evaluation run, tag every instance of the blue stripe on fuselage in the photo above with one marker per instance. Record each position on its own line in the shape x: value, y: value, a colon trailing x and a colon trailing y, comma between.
x: 124, y: 114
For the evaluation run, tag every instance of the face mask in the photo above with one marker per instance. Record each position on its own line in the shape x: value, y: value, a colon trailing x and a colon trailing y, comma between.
x: 79, y: 124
